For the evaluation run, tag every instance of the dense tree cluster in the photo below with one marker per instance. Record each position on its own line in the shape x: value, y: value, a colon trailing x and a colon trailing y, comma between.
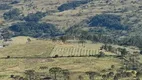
x: 12, y: 14
x: 133, y: 40
x: 5, y: 7
x: 35, y: 16
x: 107, y: 20
x: 34, y: 29
x: 15, y: 2
x: 72, y: 5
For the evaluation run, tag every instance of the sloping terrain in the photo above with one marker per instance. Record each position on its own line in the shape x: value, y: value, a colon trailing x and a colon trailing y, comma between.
x: 80, y: 13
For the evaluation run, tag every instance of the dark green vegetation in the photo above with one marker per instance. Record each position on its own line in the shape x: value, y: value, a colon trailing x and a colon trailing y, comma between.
x: 34, y: 29
x: 72, y: 5
x: 109, y: 21
x: 106, y: 28
x: 31, y: 26
x: 5, y: 7
x: 115, y: 26
x: 105, y: 21
x: 15, y: 2
x: 12, y: 14
x: 34, y: 16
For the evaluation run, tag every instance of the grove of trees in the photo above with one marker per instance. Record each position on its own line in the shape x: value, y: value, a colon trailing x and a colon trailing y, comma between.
x: 72, y: 5
x: 35, y: 17
x: 34, y: 29
x: 12, y: 14
x: 110, y: 21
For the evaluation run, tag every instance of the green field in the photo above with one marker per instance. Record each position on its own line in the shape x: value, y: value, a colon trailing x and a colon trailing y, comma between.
x: 33, y: 55
x: 38, y: 53
x: 75, y: 65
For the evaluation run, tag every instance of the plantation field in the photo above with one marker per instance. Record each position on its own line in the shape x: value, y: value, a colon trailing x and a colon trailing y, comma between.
x: 75, y: 50
x: 72, y: 51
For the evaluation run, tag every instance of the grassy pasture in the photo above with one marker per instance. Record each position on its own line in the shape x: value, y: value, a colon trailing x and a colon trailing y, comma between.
x: 45, y: 48
x: 75, y: 65
x: 20, y: 48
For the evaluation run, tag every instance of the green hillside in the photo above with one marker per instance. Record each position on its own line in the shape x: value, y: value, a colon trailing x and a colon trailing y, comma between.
x: 70, y: 39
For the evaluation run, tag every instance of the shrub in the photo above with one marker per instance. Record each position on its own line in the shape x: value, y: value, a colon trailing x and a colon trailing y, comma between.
x: 11, y: 76
x: 56, y: 56
x: 15, y: 2
x: 72, y: 5
x: 34, y: 16
x: 8, y: 57
x: 141, y: 52
x: 101, y: 54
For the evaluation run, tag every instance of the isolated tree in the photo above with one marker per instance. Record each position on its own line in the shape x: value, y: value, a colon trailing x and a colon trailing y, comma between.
x: 141, y: 52
x: 29, y: 40
x: 66, y: 74
x: 82, y: 42
x: 17, y: 77
x: 101, y: 54
x: 137, y: 78
x: 55, y: 71
x: 104, y: 77
x: 63, y: 38
x: 138, y: 74
x: 91, y: 75
x: 112, y: 66
x: 80, y: 77
x: 6, y: 34
x: 124, y: 52
x: 110, y: 74
x: 21, y: 78
x: 115, y: 78
x: 30, y: 74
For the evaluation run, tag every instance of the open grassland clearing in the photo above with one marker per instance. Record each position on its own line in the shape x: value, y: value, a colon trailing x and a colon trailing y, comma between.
x: 76, y: 65
x: 19, y: 47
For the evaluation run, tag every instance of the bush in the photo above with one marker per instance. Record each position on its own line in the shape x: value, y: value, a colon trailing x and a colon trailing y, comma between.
x: 101, y: 54
x: 141, y: 52
x: 12, y: 14
x: 5, y: 7
x: 34, y: 16
x: 8, y: 57
x: 15, y: 2
x: 34, y: 29
x: 56, y: 56
x: 107, y: 20
x: 72, y: 5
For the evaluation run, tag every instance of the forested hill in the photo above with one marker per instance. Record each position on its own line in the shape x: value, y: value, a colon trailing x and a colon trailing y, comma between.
x: 107, y: 21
